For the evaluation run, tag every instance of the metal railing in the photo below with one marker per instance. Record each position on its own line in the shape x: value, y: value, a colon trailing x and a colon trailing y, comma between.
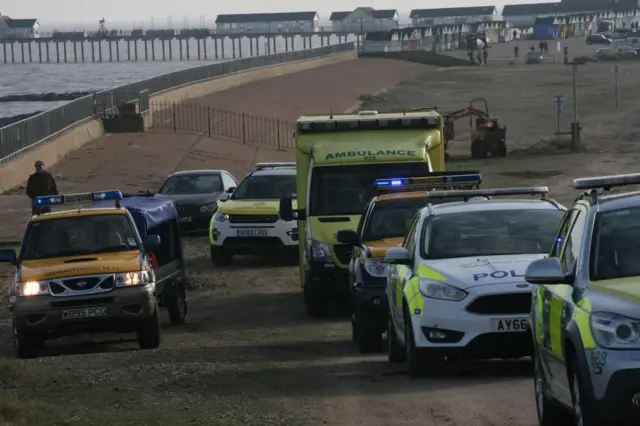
x: 192, y: 118
x: 26, y: 134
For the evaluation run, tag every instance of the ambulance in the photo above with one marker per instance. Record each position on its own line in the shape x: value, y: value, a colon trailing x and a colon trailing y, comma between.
x: 337, y: 159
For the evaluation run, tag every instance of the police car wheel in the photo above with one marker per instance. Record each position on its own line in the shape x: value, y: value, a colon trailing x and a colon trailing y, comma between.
x: 395, y: 352
x: 220, y: 257
x: 549, y: 413
x: 176, y: 303
x: 420, y: 362
x: 26, y: 345
x: 583, y: 414
x: 149, y: 331
x: 368, y: 339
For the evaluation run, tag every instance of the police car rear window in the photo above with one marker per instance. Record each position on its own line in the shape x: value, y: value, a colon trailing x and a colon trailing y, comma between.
x: 490, y: 233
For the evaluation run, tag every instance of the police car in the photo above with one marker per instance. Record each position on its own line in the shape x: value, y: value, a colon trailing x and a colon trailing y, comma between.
x: 382, y: 226
x: 456, y: 286
x: 586, y: 310
x: 247, y: 220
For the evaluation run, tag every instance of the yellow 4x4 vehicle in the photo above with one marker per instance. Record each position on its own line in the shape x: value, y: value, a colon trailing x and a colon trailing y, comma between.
x: 83, y: 270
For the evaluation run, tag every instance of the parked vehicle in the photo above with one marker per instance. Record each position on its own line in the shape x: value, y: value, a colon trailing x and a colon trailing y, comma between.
x: 597, y: 39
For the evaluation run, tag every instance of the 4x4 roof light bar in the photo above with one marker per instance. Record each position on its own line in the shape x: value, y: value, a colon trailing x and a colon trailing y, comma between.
x: 262, y: 166
x: 85, y: 197
x: 467, y: 193
x: 441, y: 180
x: 607, y: 182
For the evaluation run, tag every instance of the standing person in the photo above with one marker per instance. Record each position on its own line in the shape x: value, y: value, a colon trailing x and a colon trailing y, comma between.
x: 40, y: 183
x: 516, y: 49
x: 546, y: 47
x: 541, y: 47
x: 485, y: 54
x: 515, y: 33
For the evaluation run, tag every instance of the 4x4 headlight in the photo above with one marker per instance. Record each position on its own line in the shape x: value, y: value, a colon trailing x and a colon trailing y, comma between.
x: 30, y: 288
x: 375, y: 268
x: 614, y: 331
x: 439, y: 290
x: 129, y: 279
x: 221, y: 217
x: 320, y: 251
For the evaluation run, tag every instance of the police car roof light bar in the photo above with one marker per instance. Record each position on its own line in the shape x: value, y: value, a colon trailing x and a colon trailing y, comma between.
x: 607, y: 182
x: 490, y: 192
x: 85, y: 197
x: 261, y: 166
x: 434, y: 181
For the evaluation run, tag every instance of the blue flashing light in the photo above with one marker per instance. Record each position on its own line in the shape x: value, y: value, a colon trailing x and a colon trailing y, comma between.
x: 466, y: 179
x: 87, y: 197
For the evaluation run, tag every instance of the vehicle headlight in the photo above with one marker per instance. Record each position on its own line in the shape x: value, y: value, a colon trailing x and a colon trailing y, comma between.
x: 30, y: 288
x: 376, y: 268
x: 615, y: 331
x: 320, y: 251
x: 221, y: 217
x: 440, y: 290
x: 209, y: 208
x: 129, y: 279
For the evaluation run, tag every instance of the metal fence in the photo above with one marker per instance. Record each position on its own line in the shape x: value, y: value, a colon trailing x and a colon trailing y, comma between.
x: 29, y: 133
x: 203, y: 119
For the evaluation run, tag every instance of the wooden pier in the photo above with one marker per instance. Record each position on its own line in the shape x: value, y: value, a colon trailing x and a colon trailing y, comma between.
x: 160, y: 46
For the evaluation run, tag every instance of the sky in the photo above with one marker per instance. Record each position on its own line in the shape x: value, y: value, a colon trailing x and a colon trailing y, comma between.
x: 125, y: 14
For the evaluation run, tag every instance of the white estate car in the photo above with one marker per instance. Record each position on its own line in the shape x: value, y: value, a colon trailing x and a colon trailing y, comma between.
x: 456, y: 286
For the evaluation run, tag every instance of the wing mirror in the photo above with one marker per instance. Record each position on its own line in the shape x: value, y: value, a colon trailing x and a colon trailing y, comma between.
x: 153, y: 241
x: 8, y: 256
x: 398, y: 256
x: 546, y: 271
x: 348, y: 237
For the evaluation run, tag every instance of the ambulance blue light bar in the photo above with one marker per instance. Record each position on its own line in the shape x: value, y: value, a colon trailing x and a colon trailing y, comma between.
x: 607, y: 182
x: 467, y: 193
x: 85, y: 197
x: 467, y: 179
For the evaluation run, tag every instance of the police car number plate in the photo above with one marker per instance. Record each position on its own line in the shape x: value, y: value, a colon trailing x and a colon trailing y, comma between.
x: 505, y: 325
x: 98, y: 311
x: 252, y: 232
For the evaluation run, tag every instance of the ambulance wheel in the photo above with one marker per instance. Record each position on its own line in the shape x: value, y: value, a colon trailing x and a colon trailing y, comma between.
x: 220, y: 257
x: 395, y: 352
x: 420, y: 362
x: 549, y: 414
x: 478, y: 149
x: 368, y: 339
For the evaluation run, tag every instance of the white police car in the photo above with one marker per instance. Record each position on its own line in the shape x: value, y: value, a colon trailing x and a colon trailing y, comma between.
x: 456, y: 286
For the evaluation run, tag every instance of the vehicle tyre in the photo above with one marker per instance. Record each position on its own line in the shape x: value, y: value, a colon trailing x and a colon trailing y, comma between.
x: 176, y: 302
x: 149, y: 331
x: 25, y: 344
x: 395, y: 352
x: 368, y: 339
x: 420, y: 362
x: 478, y: 149
x: 549, y: 413
x: 220, y: 257
x: 584, y: 413
x: 502, y: 149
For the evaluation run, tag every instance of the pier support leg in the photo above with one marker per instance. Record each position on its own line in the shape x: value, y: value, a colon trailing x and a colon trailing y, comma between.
x: 39, y: 52
x: 110, y: 51
x: 128, y: 50
x: 286, y: 44
x: 198, y: 42
x: 30, y: 55
x: 48, y: 57
x: 170, y: 50
x: 204, y: 47
x: 222, y: 47
x: 215, y: 48
x: 135, y: 49
x: 240, y: 47
x: 153, y: 49
x: 146, y: 50
x: 233, y: 47
x: 100, y: 50
x: 57, y: 52
x: 164, y: 57
x: 118, y: 50
x: 75, y: 52
x: 82, y: 50
x: 64, y: 50
x: 180, y: 44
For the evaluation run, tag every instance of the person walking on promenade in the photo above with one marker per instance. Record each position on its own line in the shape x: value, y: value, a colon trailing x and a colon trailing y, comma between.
x: 39, y: 184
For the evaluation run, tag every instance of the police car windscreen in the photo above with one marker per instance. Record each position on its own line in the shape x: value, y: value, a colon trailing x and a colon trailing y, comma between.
x: 392, y: 218
x: 265, y: 187
x: 346, y: 190
x: 491, y: 233
x: 615, y: 245
x: 191, y: 184
x: 78, y: 235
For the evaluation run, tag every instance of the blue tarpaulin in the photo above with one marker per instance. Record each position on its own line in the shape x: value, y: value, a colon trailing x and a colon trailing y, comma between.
x: 147, y: 212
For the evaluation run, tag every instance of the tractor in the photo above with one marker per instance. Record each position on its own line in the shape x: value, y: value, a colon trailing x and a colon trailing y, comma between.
x: 487, y: 137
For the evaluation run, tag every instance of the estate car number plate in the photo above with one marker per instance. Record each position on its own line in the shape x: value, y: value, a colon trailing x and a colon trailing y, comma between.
x: 252, y: 232
x: 185, y: 219
x: 98, y: 311
x: 506, y: 325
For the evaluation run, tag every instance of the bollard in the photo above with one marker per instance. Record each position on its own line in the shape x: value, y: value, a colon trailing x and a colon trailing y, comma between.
x: 575, y: 136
